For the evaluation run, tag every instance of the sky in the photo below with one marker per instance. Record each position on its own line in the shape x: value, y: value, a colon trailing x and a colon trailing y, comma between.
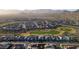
x: 39, y: 4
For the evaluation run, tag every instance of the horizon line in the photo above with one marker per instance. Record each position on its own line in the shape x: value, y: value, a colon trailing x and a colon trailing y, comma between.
x: 42, y: 9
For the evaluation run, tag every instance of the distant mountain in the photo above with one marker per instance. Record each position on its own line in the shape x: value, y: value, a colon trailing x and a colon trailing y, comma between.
x: 76, y: 10
x: 13, y: 15
x: 4, y: 12
x: 43, y: 11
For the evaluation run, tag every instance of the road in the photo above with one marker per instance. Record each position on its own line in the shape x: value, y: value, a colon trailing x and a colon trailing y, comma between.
x: 54, y: 43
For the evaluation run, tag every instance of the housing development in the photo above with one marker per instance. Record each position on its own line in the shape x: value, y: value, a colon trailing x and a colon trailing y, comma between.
x: 56, y: 29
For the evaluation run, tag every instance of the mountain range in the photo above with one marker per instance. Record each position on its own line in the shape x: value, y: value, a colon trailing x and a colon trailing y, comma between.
x: 12, y: 15
x: 32, y: 11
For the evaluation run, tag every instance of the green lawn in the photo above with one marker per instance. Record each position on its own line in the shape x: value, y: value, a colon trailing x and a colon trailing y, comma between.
x: 45, y: 32
x: 66, y: 29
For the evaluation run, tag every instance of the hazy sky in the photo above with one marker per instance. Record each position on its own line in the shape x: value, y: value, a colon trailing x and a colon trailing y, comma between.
x: 39, y: 4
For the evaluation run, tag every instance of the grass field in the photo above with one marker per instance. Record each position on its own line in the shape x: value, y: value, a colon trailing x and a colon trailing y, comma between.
x: 42, y: 32
x: 58, y: 31
x: 67, y: 29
